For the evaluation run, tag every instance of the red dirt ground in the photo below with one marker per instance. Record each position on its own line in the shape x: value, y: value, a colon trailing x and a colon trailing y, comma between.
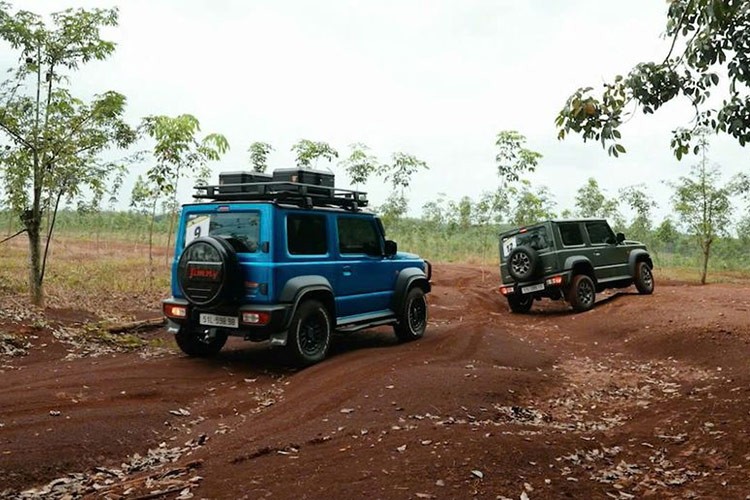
x: 644, y: 396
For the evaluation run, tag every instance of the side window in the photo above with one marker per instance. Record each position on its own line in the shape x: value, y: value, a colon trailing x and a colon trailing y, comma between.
x: 600, y: 233
x: 306, y: 234
x: 570, y: 232
x: 358, y: 235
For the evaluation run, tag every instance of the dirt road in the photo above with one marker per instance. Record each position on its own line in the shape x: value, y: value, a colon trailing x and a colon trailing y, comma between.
x: 645, y: 396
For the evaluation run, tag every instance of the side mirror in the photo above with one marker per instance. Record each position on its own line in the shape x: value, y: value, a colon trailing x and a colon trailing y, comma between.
x: 390, y: 248
x: 620, y: 238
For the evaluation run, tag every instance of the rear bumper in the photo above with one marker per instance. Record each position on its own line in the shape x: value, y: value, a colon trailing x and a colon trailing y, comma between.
x: 549, y: 286
x: 275, y: 328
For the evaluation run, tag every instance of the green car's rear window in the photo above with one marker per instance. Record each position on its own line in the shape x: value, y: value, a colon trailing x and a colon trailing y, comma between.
x: 537, y: 238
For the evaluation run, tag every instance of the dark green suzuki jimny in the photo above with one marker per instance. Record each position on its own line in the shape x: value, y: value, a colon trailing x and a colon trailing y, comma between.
x: 570, y: 260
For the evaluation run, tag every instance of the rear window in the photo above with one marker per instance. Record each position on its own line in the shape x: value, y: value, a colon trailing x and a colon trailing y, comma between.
x: 240, y: 229
x: 536, y: 238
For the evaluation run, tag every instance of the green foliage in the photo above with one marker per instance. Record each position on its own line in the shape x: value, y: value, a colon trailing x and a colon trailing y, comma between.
x: 667, y: 233
x: 308, y: 151
x: 591, y: 201
x: 394, y: 208
x: 703, y: 206
x: 402, y: 167
x: 513, y: 160
x: 713, y: 38
x: 177, y: 152
x: 641, y: 203
x: 531, y: 204
x: 53, y: 139
x: 360, y: 164
x: 399, y: 172
x: 259, y: 152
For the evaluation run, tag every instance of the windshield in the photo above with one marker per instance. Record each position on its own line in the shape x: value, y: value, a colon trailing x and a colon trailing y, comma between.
x: 536, y: 238
x: 240, y: 229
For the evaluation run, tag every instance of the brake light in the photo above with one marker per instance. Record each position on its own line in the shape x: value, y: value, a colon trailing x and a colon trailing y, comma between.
x: 506, y: 290
x: 175, y: 311
x: 255, y: 318
x: 554, y: 280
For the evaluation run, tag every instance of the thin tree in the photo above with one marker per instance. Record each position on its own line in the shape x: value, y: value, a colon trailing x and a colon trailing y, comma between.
x: 703, y: 205
x: 360, y: 164
x: 259, y: 152
x: 52, y: 139
x: 308, y: 151
x: 177, y: 153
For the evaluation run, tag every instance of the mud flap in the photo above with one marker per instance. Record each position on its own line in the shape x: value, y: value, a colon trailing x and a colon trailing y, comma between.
x: 172, y: 326
x: 279, y: 338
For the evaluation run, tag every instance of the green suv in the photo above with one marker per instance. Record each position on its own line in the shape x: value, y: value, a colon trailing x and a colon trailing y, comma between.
x: 570, y: 260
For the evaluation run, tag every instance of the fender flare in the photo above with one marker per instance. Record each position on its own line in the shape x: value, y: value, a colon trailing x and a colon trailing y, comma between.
x: 407, y: 278
x: 296, y: 288
x: 575, y: 260
x: 637, y: 255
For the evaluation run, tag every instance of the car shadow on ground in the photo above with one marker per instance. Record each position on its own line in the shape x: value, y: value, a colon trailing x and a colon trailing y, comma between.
x: 561, y: 308
x: 249, y: 358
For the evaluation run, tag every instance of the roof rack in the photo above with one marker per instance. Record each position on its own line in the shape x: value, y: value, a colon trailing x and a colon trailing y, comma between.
x: 304, y: 195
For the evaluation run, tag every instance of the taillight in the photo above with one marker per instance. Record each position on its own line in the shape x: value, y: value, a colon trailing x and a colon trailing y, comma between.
x: 255, y: 318
x: 175, y: 311
x: 506, y: 290
x: 554, y: 281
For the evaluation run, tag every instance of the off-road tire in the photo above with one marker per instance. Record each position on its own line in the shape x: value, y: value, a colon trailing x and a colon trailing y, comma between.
x: 523, y: 263
x: 582, y: 293
x: 191, y: 343
x: 309, y: 333
x: 644, y: 278
x: 520, y: 304
x: 412, y: 319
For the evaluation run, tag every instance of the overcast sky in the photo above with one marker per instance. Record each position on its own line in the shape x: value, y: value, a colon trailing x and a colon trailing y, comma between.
x: 435, y: 78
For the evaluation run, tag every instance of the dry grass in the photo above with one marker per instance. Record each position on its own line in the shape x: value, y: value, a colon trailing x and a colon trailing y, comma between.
x: 109, y: 278
x: 693, y: 275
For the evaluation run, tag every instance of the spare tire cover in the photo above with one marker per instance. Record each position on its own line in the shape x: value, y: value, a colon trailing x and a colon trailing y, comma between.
x: 523, y: 262
x: 208, y: 272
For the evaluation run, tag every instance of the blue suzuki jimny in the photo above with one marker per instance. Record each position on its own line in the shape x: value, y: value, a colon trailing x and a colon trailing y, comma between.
x: 288, y: 258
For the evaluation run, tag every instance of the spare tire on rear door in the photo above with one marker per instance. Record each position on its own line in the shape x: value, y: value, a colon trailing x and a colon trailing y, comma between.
x: 208, y: 272
x: 523, y: 262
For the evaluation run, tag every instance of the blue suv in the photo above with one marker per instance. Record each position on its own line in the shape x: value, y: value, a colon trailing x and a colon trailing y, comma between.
x: 289, y: 263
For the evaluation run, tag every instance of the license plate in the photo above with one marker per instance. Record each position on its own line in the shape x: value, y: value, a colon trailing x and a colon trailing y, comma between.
x: 532, y: 288
x: 216, y: 320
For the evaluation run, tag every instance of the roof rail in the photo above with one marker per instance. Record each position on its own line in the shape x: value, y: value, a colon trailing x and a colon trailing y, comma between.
x: 295, y: 193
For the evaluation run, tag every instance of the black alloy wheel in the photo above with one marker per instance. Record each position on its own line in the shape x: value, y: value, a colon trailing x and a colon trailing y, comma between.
x: 309, y: 333
x: 412, y: 321
x: 644, y: 278
x: 582, y: 293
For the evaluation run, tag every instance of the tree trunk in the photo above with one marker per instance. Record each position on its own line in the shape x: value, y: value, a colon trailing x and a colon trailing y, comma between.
x: 35, y: 261
x: 151, y: 246
x: 172, y: 216
x: 704, y: 271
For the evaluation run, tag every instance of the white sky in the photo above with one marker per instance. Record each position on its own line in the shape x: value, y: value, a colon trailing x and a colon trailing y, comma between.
x: 435, y: 78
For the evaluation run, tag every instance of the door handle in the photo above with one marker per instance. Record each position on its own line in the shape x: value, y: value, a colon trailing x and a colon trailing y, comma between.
x: 597, y: 254
x: 347, y: 270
